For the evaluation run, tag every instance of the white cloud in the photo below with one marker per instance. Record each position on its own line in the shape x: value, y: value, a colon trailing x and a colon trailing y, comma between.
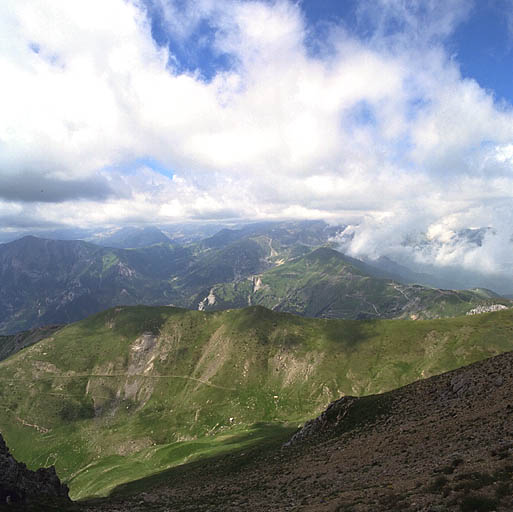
x: 381, y: 130
x: 410, y: 23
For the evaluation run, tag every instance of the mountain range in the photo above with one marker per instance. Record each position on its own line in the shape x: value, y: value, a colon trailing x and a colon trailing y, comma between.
x: 55, y: 281
x: 286, y: 266
x: 324, y: 283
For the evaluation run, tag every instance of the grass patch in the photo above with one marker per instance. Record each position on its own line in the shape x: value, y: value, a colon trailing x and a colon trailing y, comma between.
x: 152, y: 467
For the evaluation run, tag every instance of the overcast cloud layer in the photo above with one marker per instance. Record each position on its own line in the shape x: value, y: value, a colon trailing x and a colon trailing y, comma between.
x: 100, y: 125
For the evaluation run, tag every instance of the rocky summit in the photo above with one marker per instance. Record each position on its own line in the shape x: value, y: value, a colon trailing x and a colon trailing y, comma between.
x: 438, y: 445
x: 20, y: 486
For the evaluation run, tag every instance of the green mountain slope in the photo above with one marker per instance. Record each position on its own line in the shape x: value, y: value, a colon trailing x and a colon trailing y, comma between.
x: 133, y: 390
x: 325, y: 283
x: 440, y: 444
x: 234, y: 254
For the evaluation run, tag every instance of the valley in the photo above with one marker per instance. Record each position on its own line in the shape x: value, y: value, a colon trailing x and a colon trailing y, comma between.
x: 441, y: 444
x: 132, y: 391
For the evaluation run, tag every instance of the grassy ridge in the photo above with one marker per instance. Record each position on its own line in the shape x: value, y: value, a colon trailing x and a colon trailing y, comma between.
x: 327, y: 284
x: 134, y: 390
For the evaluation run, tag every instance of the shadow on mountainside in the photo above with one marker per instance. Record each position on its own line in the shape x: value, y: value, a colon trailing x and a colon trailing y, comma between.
x: 441, y: 444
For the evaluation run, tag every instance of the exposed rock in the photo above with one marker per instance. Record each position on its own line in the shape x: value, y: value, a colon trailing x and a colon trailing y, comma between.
x: 487, y: 309
x: 257, y: 283
x: 21, y: 485
x: 330, y: 418
x: 460, y: 384
x: 209, y: 300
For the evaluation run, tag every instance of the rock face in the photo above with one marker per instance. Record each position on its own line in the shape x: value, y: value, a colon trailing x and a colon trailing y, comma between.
x: 330, y: 418
x: 20, y: 485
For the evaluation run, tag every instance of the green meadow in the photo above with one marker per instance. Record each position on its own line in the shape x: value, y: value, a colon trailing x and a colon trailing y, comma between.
x: 132, y: 391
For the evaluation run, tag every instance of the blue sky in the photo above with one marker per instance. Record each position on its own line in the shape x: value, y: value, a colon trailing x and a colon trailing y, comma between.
x: 392, y: 116
x: 481, y: 44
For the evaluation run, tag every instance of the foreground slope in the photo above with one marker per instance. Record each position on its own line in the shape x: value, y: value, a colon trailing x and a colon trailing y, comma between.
x: 134, y: 390
x: 441, y: 444
x: 20, y: 487
x: 325, y: 283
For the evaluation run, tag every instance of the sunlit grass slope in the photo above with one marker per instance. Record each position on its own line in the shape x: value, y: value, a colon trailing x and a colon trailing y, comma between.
x: 134, y: 390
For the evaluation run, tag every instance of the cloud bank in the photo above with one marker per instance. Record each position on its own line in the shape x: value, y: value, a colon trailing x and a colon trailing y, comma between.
x: 371, y: 124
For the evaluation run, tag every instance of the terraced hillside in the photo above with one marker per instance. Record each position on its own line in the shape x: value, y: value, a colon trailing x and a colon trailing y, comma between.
x: 134, y: 390
x: 325, y: 283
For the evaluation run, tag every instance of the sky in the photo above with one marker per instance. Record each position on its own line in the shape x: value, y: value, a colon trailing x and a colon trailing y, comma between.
x: 393, y: 117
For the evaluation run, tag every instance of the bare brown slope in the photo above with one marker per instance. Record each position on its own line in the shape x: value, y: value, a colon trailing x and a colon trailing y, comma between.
x: 442, y: 444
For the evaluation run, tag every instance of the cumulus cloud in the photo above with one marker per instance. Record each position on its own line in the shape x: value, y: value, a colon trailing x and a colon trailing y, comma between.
x: 379, y: 129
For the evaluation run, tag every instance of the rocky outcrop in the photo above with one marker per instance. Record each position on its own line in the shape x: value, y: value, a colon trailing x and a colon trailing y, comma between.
x: 21, y: 485
x: 328, y: 420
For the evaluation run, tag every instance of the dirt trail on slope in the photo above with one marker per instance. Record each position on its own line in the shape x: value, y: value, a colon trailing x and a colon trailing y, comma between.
x: 119, y: 375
